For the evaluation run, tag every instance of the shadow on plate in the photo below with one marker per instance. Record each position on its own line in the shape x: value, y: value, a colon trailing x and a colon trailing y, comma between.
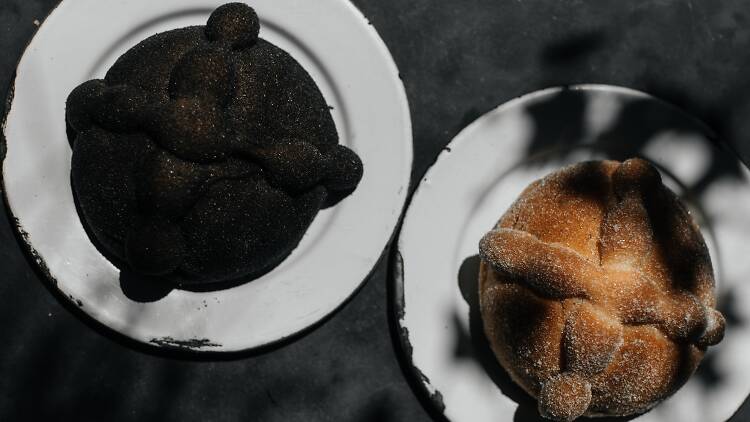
x: 563, y: 120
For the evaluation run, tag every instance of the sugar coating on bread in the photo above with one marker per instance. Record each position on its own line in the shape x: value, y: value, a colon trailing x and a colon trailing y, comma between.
x: 205, y: 153
x: 597, y: 291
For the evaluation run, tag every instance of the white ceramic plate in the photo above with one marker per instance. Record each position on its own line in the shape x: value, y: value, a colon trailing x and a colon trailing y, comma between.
x: 479, y: 175
x: 331, y: 39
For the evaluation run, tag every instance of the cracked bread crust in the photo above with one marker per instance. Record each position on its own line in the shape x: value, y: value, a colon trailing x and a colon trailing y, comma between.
x: 205, y: 153
x: 597, y: 292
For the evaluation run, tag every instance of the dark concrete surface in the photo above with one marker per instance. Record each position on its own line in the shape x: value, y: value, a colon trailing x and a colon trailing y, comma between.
x: 458, y: 59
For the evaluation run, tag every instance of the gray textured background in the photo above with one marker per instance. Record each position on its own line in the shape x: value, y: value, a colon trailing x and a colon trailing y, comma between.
x: 458, y: 59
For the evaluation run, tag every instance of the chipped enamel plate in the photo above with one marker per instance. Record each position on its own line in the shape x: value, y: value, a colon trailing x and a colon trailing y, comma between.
x: 80, y: 40
x: 479, y: 175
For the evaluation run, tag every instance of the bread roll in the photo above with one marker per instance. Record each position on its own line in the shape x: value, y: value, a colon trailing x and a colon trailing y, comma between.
x: 597, y: 292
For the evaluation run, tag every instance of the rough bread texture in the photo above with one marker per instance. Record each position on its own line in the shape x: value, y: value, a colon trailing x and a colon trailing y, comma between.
x: 205, y: 153
x: 596, y: 291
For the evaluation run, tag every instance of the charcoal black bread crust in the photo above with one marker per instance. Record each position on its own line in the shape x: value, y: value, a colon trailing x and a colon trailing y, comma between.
x: 205, y: 153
